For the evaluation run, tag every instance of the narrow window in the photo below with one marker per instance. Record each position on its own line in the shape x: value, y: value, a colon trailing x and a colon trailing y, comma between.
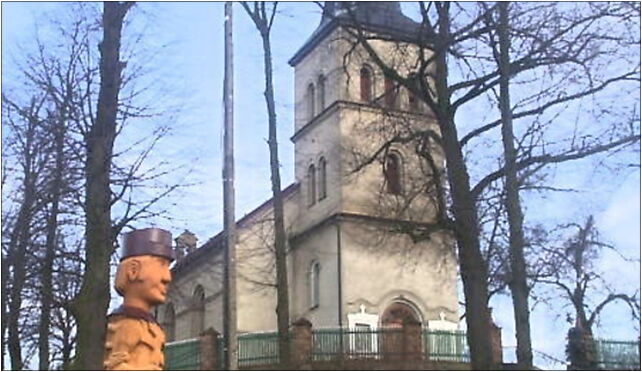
x: 198, y: 311
x: 413, y: 104
x: 311, y: 102
x: 390, y: 95
x: 312, y: 185
x: 392, y: 174
x: 315, y: 271
x: 322, y: 179
x: 169, y: 322
x: 321, y: 92
x: 413, y: 101
x: 366, y: 84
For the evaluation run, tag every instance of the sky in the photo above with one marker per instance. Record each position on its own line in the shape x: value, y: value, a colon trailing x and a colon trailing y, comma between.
x: 187, y: 70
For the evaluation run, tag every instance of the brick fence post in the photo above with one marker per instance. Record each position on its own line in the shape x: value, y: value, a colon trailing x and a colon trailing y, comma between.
x: 301, y: 344
x: 208, y: 348
x: 412, y: 343
x: 497, y: 355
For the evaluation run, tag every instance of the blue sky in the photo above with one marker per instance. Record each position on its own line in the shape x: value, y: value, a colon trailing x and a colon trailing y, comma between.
x: 187, y: 67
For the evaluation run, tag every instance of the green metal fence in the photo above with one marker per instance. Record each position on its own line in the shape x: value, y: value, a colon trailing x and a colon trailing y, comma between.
x: 332, y: 344
x: 258, y: 349
x: 261, y: 349
x: 327, y: 344
x: 182, y: 355
x: 618, y: 355
x: 336, y: 343
x: 449, y: 346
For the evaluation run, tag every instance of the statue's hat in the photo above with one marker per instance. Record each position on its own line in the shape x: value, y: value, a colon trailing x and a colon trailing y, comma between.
x: 152, y: 241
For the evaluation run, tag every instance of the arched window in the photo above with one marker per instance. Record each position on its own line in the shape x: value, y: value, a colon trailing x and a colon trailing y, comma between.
x: 312, y: 185
x: 365, y: 78
x: 321, y: 92
x: 314, y: 290
x: 322, y: 179
x: 311, y: 101
x: 169, y: 322
x: 198, y: 311
x: 390, y: 92
x: 392, y: 173
x: 413, y: 101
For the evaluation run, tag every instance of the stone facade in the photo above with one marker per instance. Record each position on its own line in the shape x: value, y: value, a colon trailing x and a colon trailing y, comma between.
x: 343, y: 260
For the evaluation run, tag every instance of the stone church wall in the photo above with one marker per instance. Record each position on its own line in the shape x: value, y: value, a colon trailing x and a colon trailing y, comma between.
x: 321, y: 247
x: 381, y: 268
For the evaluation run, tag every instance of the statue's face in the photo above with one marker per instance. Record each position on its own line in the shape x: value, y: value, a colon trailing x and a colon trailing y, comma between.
x: 152, y: 281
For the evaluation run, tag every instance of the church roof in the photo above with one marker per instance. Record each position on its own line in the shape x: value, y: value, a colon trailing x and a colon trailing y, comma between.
x: 217, y: 242
x: 382, y: 17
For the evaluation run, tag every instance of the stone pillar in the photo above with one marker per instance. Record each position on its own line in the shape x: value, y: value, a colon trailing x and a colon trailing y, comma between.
x: 209, y: 350
x: 301, y: 344
x: 412, y: 343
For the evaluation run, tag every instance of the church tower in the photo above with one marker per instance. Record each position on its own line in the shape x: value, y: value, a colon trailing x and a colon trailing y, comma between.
x: 349, y: 262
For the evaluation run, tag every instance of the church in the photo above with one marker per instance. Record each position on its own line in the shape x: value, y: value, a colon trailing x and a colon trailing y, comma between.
x: 349, y: 264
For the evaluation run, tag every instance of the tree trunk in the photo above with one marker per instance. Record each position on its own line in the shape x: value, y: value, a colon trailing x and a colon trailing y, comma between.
x: 51, y: 243
x: 18, y: 244
x: 283, y: 301
x: 518, y: 285
x: 67, y: 346
x: 473, y: 268
x: 90, y: 306
x: 6, y: 265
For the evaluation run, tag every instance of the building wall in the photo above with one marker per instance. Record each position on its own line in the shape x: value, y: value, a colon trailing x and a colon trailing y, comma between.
x: 381, y: 268
x: 323, y: 60
x: 320, y: 140
x: 256, y: 301
x: 319, y: 246
x: 208, y: 274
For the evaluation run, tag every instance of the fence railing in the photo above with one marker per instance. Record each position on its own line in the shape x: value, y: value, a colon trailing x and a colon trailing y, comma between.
x: 261, y: 349
x: 258, y: 349
x: 332, y: 344
x: 182, y: 355
x: 447, y: 346
x: 618, y: 355
x: 382, y: 343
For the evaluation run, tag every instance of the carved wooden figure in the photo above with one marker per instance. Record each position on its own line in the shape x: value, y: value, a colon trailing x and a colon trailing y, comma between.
x: 134, y: 339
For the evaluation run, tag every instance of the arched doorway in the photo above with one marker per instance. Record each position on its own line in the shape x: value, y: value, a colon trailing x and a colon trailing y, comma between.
x: 397, y: 313
x: 392, y: 336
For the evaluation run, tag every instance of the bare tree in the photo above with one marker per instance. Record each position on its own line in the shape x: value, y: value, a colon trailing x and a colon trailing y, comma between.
x: 29, y: 144
x: 66, y: 76
x: 570, y: 270
x: 518, y: 285
x: 93, y: 297
x: 263, y: 19
x: 454, y: 66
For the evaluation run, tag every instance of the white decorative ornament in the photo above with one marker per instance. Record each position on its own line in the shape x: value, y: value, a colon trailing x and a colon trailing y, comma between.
x: 362, y: 321
x: 442, y: 324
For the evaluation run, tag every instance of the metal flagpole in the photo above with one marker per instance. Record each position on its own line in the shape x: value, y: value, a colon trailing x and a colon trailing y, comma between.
x: 229, y: 280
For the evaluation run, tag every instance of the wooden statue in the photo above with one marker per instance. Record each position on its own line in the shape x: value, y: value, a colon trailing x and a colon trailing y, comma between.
x: 134, y: 339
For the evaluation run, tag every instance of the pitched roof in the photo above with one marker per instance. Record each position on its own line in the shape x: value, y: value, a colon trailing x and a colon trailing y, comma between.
x: 382, y: 17
x: 216, y: 243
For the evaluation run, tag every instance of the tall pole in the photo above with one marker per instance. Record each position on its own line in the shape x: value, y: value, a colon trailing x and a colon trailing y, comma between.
x: 229, y: 280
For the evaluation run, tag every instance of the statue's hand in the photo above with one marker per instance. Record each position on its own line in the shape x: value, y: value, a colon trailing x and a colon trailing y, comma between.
x: 118, y: 361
